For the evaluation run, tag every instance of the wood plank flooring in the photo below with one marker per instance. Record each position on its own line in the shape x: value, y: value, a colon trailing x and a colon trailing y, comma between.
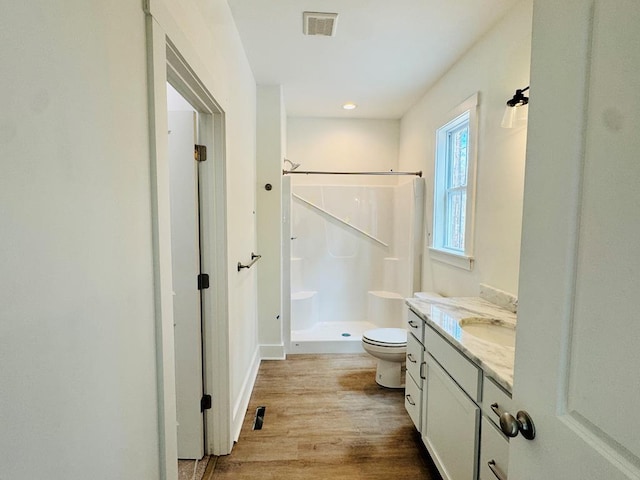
x: 326, y: 418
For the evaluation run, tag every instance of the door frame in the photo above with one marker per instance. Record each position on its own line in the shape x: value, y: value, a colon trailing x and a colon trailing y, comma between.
x: 168, y: 63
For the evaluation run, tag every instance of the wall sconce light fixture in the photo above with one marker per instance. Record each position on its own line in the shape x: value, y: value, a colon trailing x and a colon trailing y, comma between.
x: 516, y: 110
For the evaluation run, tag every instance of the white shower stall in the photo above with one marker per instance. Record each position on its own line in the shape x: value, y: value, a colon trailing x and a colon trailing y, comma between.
x: 355, y: 256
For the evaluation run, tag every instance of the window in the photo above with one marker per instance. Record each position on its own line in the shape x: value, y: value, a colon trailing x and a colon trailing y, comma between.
x: 454, y: 183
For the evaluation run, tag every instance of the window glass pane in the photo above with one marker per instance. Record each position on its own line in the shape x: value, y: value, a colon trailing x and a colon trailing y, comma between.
x: 455, y: 219
x: 450, y: 185
x: 457, y: 156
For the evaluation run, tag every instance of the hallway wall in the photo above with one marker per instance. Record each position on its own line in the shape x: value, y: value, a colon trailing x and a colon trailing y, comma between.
x: 77, y: 335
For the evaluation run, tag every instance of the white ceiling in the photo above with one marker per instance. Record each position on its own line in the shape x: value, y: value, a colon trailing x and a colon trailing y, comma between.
x: 385, y: 54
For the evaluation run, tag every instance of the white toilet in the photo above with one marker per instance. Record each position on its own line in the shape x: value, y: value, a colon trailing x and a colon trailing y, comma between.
x: 389, y: 346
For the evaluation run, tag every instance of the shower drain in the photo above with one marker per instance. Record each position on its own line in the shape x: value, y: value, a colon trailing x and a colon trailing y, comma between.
x: 346, y: 334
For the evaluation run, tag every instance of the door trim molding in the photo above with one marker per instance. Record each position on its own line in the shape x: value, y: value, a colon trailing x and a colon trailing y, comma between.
x: 170, y: 59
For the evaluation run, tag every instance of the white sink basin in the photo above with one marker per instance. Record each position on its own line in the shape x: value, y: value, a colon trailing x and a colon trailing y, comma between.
x: 492, y: 331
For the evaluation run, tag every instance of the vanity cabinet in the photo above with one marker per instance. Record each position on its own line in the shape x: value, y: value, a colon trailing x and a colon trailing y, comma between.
x: 495, y: 401
x: 463, y: 372
x: 415, y: 326
x: 455, y: 407
x: 413, y: 401
x: 414, y: 360
x: 494, y: 452
x: 494, y: 446
x: 415, y: 369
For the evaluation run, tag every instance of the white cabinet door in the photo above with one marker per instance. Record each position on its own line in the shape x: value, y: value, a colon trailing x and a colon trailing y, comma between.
x: 577, y: 355
x: 451, y: 426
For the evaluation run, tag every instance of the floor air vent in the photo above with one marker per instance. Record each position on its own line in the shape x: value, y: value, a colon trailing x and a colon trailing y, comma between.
x: 259, y: 420
x: 318, y: 23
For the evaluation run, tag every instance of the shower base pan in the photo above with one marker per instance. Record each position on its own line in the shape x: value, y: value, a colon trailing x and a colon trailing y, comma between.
x: 330, y: 337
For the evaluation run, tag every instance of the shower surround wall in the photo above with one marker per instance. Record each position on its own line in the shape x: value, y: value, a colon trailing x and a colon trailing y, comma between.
x: 353, y: 261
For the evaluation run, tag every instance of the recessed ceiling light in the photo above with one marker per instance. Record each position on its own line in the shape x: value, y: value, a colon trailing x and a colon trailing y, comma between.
x: 349, y: 106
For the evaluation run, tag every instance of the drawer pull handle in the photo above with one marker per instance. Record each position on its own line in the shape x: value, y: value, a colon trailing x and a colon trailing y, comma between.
x: 412, y: 324
x: 411, y: 402
x: 496, y: 471
x: 496, y: 409
x: 422, y: 375
x: 410, y: 358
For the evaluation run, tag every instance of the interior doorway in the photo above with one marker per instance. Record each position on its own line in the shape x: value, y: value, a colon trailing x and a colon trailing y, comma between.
x: 168, y: 65
x: 186, y: 267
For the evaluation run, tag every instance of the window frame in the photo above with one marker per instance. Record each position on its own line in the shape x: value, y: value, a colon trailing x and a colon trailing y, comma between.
x: 467, y: 113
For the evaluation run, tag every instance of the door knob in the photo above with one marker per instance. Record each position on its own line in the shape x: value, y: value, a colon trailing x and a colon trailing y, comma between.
x: 521, y: 423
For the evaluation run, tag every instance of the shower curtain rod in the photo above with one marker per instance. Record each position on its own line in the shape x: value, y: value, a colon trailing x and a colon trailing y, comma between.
x: 309, y: 172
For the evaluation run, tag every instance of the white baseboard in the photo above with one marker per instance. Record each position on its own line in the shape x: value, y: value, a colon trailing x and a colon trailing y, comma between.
x: 262, y: 352
x: 241, y: 405
x: 272, y: 352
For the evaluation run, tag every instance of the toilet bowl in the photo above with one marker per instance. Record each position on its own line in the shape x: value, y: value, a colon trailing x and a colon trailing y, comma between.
x: 389, y: 346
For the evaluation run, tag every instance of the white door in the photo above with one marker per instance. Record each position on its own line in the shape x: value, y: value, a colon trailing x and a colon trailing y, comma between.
x: 185, y: 262
x: 578, y: 336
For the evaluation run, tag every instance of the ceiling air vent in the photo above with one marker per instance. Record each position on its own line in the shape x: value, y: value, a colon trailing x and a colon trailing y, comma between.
x: 317, y: 23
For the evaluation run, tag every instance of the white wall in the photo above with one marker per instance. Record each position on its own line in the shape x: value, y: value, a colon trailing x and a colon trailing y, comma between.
x: 77, y: 333
x: 494, y: 67
x: 270, y: 154
x: 210, y: 30
x: 76, y: 310
x: 332, y: 144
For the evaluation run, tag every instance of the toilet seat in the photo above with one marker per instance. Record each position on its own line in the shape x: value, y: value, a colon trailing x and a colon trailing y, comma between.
x: 386, y: 337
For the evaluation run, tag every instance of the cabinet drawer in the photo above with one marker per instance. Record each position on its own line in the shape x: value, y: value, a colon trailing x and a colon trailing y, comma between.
x: 465, y: 373
x: 492, y: 394
x: 415, y: 358
x: 450, y: 431
x: 415, y: 325
x: 494, y: 448
x: 413, y: 402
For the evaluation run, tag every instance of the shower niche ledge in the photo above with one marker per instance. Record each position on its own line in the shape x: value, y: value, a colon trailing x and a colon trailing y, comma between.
x: 304, y: 311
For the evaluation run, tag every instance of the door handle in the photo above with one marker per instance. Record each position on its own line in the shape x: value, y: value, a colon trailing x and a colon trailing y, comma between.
x: 521, y: 423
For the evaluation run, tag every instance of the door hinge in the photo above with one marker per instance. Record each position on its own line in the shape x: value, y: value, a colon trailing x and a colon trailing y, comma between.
x: 203, y: 281
x: 200, y: 153
x: 205, y: 403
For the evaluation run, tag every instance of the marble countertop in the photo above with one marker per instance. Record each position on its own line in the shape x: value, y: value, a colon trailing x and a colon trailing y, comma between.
x: 443, y: 314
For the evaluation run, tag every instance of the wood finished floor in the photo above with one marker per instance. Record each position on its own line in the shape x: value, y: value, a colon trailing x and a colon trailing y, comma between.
x: 326, y: 418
